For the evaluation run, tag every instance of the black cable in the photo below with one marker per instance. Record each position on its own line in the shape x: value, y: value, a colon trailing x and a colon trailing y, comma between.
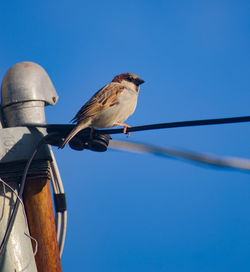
x: 61, y: 131
x: 193, y: 123
x: 20, y: 194
x: 66, y: 128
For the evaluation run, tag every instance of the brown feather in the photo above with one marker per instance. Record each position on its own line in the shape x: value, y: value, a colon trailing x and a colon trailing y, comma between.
x: 74, y: 131
x: 103, y: 99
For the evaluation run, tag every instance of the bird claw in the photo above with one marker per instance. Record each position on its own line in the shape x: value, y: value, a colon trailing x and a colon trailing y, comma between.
x: 125, y: 130
x: 125, y: 127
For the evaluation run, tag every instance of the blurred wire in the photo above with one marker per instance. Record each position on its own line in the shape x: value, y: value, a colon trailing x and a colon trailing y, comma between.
x: 208, y: 159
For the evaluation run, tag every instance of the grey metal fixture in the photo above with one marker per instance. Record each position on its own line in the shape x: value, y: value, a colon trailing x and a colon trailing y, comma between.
x: 26, y: 89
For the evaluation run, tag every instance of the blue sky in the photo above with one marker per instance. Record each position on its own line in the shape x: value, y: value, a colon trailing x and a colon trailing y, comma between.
x: 132, y: 212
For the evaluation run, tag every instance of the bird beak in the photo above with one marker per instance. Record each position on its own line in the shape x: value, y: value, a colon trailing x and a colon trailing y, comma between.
x: 139, y: 81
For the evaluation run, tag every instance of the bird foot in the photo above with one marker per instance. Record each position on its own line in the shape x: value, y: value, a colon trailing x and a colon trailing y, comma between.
x: 125, y: 127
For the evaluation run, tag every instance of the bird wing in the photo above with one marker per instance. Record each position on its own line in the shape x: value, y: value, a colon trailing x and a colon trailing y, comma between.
x: 103, y: 99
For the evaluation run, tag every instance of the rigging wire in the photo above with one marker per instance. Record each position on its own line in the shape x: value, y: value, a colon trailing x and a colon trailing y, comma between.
x: 193, y: 123
x: 209, y: 159
x: 66, y: 128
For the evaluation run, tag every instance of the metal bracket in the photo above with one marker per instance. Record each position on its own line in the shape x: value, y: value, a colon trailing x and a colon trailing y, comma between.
x: 26, y: 89
x: 16, y: 146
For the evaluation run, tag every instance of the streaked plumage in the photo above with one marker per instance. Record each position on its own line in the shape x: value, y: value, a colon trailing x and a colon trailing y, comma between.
x: 110, y: 106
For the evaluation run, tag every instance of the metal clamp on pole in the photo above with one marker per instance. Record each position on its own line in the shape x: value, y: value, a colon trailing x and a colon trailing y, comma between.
x: 26, y: 89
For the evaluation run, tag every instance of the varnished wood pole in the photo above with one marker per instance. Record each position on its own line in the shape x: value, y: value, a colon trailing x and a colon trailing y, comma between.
x: 39, y: 209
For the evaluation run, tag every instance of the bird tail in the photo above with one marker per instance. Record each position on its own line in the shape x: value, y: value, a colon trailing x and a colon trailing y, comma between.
x: 74, y: 131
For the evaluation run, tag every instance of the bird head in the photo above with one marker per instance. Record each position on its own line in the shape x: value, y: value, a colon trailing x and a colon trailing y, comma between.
x: 130, y: 77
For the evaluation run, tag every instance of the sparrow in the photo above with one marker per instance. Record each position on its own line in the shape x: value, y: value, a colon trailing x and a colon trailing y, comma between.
x: 110, y: 106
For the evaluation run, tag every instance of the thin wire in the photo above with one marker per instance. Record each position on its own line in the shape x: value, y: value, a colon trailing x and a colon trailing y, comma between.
x: 35, y: 252
x: 58, y: 221
x: 54, y: 183
x: 214, y: 160
x: 63, y: 232
x: 25, y: 217
x: 194, y: 123
x: 20, y: 193
x: 4, y: 193
x: 58, y: 186
x: 58, y: 217
x: 26, y: 224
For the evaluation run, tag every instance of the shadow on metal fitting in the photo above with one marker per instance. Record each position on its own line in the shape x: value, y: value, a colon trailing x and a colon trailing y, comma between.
x: 98, y: 142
